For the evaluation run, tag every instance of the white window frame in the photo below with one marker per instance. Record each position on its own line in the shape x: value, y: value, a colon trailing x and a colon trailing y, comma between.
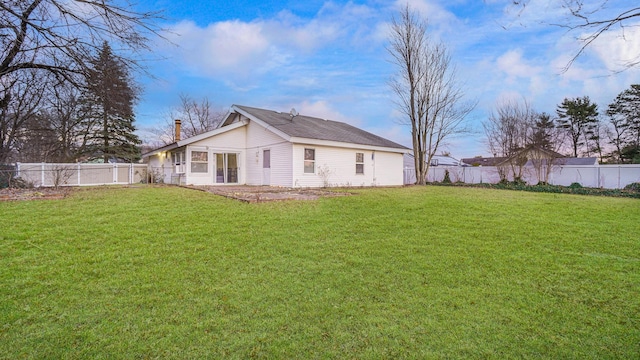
x: 360, y: 162
x: 306, y: 161
x: 199, y: 162
x: 179, y: 161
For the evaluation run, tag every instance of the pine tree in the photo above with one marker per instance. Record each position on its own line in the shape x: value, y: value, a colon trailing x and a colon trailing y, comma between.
x: 624, y: 115
x: 578, y: 117
x: 542, y: 135
x: 108, y: 109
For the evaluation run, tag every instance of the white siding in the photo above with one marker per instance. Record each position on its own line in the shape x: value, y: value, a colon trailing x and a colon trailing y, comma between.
x: 337, y: 167
x: 232, y: 141
x: 258, y: 140
x: 388, y: 169
x: 160, y: 165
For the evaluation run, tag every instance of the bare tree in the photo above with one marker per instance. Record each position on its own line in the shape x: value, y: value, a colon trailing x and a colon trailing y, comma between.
x: 517, y: 133
x: 425, y: 84
x: 510, y: 128
x: 593, y: 19
x: 196, y: 117
x: 20, y: 97
x: 59, y: 36
x: 52, y: 42
x: 63, y: 113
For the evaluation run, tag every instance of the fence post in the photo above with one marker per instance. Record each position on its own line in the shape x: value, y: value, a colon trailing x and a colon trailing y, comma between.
x: 41, y: 174
x: 115, y: 172
x: 79, y: 168
x: 17, y: 169
x: 130, y: 173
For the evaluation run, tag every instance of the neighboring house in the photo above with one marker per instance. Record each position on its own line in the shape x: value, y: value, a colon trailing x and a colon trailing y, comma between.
x: 483, y: 161
x: 530, y: 164
x: 436, y: 160
x: 567, y: 161
x: 263, y: 147
x: 530, y: 156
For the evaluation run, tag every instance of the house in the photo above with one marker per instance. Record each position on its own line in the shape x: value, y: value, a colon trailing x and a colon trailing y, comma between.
x: 531, y: 156
x: 442, y: 161
x: 566, y: 161
x: 531, y: 164
x: 436, y: 160
x: 483, y: 161
x: 263, y: 147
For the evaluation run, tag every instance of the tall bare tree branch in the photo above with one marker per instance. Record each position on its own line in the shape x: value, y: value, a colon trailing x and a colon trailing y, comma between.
x: 426, y: 88
x: 595, y: 22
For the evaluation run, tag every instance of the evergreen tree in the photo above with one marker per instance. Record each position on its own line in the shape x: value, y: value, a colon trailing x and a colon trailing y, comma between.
x: 579, y: 118
x: 624, y: 115
x: 542, y: 135
x: 108, y: 109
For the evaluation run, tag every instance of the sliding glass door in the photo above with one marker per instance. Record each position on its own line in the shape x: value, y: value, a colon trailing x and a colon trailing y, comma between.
x: 226, y: 168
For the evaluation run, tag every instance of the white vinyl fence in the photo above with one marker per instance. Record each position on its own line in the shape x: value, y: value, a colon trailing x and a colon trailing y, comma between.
x: 602, y: 176
x: 79, y: 174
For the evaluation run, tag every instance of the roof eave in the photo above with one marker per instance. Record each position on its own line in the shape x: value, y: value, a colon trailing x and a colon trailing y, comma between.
x: 309, y: 141
x: 196, y: 138
x: 161, y: 150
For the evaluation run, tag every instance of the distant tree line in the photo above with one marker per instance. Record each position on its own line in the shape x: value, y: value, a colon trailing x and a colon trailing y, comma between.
x: 577, y: 129
x: 65, y: 95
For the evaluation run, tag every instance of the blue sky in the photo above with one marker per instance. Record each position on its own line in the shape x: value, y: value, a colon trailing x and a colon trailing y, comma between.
x: 329, y: 59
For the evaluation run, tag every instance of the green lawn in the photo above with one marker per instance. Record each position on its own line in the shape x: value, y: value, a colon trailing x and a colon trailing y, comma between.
x: 419, y: 272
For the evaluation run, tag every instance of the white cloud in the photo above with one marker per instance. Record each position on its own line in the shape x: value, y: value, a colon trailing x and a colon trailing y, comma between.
x: 228, y: 46
x: 433, y: 11
x: 242, y: 50
x: 512, y: 64
x: 616, y: 48
x: 321, y: 109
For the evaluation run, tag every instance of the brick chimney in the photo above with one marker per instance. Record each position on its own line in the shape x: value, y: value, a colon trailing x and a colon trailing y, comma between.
x: 177, y: 136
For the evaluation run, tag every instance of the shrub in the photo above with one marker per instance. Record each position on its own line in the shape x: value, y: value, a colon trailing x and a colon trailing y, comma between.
x: 6, y: 174
x: 633, y: 187
x: 519, y: 182
x: 447, y: 179
x: 575, y: 185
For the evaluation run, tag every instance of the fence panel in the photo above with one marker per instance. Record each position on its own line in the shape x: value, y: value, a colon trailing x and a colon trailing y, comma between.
x: 79, y: 174
x: 601, y: 176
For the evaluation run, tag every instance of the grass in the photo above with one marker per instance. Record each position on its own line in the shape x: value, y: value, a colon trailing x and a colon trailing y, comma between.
x: 419, y: 272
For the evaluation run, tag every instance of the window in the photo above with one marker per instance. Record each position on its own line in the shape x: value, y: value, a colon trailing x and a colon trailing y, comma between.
x: 178, y: 161
x: 199, y: 162
x: 309, y: 161
x: 359, y: 163
x: 266, y: 159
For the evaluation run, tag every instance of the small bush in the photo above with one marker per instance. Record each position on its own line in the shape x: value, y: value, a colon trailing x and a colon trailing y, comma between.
x: 519, y: 182
x: 575, y: 185
x: 447, y: 179
x: 8, y: 178
x: 633, y: 187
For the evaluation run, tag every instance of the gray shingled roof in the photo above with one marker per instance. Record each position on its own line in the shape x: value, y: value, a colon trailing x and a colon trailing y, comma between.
x: 571, y: 161
x: 315, y: 128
